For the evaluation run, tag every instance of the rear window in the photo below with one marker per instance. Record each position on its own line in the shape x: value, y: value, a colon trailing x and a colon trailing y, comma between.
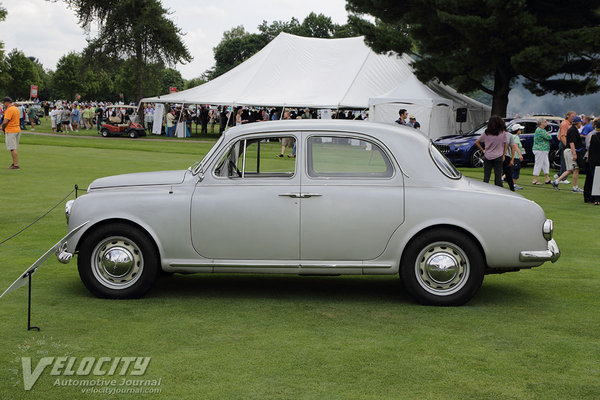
x: 443, y: 164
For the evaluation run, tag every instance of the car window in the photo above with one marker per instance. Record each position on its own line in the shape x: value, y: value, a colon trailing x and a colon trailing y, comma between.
x: 443, y: 164
x: 334, y: 156
x: 259, y: 158
x: 530, y: 127
x: 478, y: 130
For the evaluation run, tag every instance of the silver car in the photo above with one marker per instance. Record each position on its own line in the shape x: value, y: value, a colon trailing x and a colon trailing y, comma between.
x: 354, y: 198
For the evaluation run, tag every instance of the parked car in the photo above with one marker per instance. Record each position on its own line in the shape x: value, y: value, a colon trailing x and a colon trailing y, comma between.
x: 359, y: 198
x: 121, y: 120
x: 461, y: 149
x: 39, y: 111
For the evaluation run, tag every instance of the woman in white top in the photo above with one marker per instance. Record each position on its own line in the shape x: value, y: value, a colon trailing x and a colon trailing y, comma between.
x: 238, y: 118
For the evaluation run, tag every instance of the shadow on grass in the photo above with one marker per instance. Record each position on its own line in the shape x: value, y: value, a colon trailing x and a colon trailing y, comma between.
x: 318, y: 288
x: 360, y: 289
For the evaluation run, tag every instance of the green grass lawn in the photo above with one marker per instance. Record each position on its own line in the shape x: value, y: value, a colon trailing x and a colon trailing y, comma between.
x: 526, y: 335
x: 46, y: 127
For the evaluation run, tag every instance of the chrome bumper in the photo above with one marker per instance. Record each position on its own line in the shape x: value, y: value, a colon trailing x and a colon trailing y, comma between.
x: 552, y: 254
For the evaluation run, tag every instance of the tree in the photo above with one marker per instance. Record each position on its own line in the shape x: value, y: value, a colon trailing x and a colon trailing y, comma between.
x: 3, y: 13
x: 19, y: 73
x: 137, y: 29
x: 194, y: 82
x: 271, y: 31
x: 319, y: 26
x: 43, y: 83
x: 236, y: 46
x: 66, y: 80
x: 170, y: 77
x: 552, y: 45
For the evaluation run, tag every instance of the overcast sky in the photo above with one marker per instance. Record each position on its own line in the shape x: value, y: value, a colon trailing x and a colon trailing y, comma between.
x: 48, y: 30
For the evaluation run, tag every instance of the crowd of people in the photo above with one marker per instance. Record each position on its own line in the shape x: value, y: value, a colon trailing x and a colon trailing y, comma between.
x: 225, y: 116
x: 579, y: 147
x: 73, y: 116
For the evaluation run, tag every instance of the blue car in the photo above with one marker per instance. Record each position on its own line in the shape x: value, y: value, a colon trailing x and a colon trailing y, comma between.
x: 461, y: 149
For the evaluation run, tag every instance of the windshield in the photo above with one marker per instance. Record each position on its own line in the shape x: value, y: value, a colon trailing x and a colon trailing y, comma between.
x: 198, y: 166
x: 477, y: 130
x: 443, y: 164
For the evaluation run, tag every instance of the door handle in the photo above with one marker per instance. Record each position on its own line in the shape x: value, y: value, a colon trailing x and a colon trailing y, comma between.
x: 309, y: 195
x: 299, y: 195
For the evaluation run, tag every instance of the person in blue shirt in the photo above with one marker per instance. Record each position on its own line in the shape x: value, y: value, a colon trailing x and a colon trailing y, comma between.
x: 587, y: 128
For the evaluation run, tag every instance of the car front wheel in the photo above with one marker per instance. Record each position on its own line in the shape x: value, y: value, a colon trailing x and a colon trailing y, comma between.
x: 442, y: 267
x: 104, y: 132
x: 118, y: 261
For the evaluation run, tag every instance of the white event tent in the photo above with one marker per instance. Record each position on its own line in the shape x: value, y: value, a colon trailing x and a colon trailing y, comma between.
x: 434, y: 105
x: 294, y: 71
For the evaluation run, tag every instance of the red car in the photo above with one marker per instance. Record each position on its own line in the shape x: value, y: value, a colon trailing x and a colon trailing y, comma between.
x: 121, y: 121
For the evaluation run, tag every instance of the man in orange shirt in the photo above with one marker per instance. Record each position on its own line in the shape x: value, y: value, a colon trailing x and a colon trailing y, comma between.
x: 12, y: 130
x: 562, y: 139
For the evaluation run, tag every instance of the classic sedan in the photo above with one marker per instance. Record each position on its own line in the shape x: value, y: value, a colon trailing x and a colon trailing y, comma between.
x: 358, y: 198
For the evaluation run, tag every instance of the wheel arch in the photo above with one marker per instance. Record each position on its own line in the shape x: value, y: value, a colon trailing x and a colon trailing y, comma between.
x: 151, y: 237
x: 446, y: 226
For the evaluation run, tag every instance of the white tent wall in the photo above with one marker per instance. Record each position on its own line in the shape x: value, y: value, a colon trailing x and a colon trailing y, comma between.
x: 477, y: 113
x: 434, y: 119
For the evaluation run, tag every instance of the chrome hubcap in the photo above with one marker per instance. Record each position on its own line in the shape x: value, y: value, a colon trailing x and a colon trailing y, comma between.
x: 442, y: 268
x: 117, y: 262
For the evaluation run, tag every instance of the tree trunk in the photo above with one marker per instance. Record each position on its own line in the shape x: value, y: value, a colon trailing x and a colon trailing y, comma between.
x: 139, y: 72
x: 501, y: 90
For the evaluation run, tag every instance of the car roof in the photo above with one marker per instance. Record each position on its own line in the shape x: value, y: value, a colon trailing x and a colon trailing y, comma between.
x: 378, y: 130
x: 531, y: 119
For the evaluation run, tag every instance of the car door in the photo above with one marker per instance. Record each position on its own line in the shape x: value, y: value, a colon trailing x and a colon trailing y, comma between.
x: 248, y: 208
x: 352, y: 198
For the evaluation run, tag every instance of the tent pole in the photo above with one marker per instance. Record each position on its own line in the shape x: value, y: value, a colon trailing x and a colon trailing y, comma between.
x: 229, y: 118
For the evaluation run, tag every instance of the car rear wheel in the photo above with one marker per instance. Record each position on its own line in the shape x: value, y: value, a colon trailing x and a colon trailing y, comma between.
x: 104, y: 132
x: 442, y: 267
x: 118, y: 261
x: 477, y: 158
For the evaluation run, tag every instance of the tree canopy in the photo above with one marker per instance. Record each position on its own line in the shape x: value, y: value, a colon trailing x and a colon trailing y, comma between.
x: 136, y: 29
x: 18, y: 73
x: 3, y: 13
x: 554, y: 46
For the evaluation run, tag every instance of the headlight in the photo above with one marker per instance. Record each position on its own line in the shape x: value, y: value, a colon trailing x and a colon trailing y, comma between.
x: 461, y: 144
x: 68, y: 207
x: 548, y: 229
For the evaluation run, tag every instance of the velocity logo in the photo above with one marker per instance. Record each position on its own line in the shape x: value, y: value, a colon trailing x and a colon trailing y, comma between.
x: 74, y: 366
